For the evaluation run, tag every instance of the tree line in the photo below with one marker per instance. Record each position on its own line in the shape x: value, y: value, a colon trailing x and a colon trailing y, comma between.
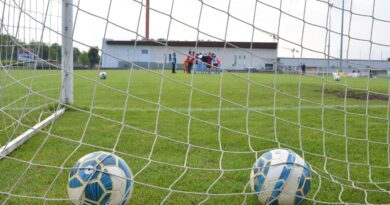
x: 48, y: 52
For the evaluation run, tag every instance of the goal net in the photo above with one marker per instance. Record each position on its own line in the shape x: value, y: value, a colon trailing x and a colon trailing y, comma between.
x: 191, y: 132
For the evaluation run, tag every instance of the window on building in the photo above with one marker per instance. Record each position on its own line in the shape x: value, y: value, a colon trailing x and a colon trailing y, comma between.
x: 269, y: 67
x: 144, y: 51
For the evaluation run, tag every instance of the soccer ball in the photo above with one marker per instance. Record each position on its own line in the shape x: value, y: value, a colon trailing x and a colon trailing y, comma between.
x: 280, y: 177
x: 100, y: 178
x: 103, y: 75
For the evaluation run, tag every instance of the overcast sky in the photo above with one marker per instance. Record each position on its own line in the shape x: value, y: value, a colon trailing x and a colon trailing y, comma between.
x: 127, y: 17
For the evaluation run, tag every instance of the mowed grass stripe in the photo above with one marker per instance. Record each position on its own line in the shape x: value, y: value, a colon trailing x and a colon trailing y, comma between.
x: 211, y: 109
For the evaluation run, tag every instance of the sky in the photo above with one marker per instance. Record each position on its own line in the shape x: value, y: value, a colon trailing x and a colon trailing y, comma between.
x: 209, y: 20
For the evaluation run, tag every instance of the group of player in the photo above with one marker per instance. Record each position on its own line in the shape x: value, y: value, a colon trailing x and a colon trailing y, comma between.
x: 200, y: 63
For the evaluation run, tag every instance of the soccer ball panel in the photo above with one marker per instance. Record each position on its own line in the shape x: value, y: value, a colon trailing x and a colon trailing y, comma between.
x: 75, y: 194
x: 107, y: 160
x: 93, y: 191
x: 74, y: 170
x: 75, y: 182
x: 129, y: 186
x: 269, y: 183
x: 288, y: 194
x: 105, y: 179
x: 105, y: 199
x: 118, y: 179
x: 89, y: 170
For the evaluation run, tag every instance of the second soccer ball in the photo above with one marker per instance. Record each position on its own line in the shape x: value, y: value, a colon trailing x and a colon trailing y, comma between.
x: 103, y: 75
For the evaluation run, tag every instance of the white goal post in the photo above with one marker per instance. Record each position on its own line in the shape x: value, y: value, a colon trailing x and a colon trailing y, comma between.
x: 67, y: 52
x: 67, y: 80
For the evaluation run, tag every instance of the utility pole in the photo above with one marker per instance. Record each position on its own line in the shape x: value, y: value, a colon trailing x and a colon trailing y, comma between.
x: 147, y: 20
x: 342, y: 36
x: 330, y: 33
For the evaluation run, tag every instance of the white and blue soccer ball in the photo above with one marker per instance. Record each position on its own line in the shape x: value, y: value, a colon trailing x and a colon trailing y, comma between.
x: 103, y: 75
x: 100, y: 178
x: 280, y: 177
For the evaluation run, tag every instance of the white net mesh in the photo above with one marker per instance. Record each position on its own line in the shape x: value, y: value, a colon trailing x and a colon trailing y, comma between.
x: 193, y: 138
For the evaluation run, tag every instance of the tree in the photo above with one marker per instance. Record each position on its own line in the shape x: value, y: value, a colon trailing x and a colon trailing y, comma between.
x: 76, y: 55
x: 40, y: 49
x: 388, y: 59
x: 55, y: 52
x: 47, y: 52
x: 93, y: 56
x: 44, y: 51
x: 83, y: 58
x: 7, y: 49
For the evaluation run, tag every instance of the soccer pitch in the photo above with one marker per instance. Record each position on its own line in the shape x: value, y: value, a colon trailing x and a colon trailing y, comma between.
x: 198, y: 136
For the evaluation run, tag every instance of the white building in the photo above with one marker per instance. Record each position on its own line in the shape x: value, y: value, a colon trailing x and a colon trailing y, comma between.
x: 317, y: 66
x: 154, y: 54
x: 347, y: 65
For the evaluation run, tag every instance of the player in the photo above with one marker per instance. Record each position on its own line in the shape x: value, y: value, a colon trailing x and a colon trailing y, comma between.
x: 214, y: 62
x: 303, y: 68
x: 204, y: 62
x: 218, y: 66
x: 190, y: 61
x: 209, y: 62
x: 196, y: 61
x: 185, y: 64
x: 173, y: 61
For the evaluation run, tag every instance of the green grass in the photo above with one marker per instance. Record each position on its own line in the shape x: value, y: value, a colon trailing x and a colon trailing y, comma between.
x: 157, y: 113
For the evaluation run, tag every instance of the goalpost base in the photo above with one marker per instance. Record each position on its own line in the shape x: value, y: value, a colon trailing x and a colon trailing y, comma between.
x: 21, y: 139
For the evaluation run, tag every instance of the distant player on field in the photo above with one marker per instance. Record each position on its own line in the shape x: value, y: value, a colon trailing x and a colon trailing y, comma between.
x: 203, y: 63
x: 303, y: 68
x: 209, y: 62
x: 217, y: 66
x: 214, y: 62
x: 196, y: 61
x: 185, y: 64
x: 173, y: 61
x: 190, y: 61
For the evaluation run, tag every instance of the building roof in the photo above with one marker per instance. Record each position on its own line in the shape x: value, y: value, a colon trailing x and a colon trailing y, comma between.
x: 214, y: 44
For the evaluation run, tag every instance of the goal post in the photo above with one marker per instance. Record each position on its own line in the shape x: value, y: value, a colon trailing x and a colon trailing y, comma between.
x: 66, y: 76
x: 67, y: 52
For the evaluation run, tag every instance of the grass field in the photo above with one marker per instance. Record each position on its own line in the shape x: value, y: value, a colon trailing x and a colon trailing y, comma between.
x: 199, y: 135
